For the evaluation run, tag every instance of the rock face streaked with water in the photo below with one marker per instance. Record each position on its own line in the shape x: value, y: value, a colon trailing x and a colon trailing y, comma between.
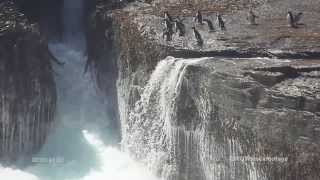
x: 195, y: 117
x: 244, y: 106
x: 27, y: 88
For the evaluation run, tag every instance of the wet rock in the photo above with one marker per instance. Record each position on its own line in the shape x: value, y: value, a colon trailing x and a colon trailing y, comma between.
x: 204, y: 115
x: 102, y: 60
x: 242, y: 106
x: 27, y: 89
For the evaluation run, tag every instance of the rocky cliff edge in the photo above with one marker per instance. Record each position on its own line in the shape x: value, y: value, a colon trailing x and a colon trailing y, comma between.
x: 245, y: 105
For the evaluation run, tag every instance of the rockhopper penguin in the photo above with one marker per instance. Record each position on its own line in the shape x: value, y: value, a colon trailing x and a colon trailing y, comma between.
x: 210, y: 24
x: 180, y: 27
x: 198, y: 18
x: 220, y: 22
x: 293, y: 20
x: 168, y: 16
x: 197, y: 36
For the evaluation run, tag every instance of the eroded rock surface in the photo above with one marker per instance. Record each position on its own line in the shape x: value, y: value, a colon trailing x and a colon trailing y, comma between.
x: 244, y: 106
x: 195, y: 115
x: 27, y: 89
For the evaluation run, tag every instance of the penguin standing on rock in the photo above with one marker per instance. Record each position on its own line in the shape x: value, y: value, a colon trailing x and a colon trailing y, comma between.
x: 168, y: 30
x: 198, y: 18
x: 220, y: 22
x: 293, y: 20
x: 210, y: 24
x: 297, y: 18
x: 168, y: 25
x: 167, y: 34
x: 180, y: 27
x: 197, y: 36
x: 168, y: 16
x: 290, y: 20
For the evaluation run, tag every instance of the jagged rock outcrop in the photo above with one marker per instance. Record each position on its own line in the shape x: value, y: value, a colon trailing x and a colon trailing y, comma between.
x: 244, y: 106
x: 27, y: 88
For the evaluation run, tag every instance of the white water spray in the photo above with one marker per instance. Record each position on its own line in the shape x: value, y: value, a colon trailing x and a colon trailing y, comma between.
x: 178, y: 145
x: 13, y: 174
x: 114, y: 164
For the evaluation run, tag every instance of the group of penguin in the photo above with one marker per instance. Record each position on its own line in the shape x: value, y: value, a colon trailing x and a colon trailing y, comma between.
x: 176, y: 25
x: 172, y: 25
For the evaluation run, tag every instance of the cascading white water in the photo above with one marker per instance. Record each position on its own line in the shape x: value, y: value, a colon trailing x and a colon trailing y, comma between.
x: 78, y: 148
x: 151, y: 136
x: 116, y: 165
x: 179, y: 144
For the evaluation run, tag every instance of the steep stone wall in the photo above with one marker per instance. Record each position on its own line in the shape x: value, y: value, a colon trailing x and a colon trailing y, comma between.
x: 195, y: 117
x: 103, y: 50
x: 27, y: 89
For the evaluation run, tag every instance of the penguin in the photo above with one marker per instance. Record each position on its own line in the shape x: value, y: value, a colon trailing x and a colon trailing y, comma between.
x: 197, y: 36
x: 167, y: 34
x: 168, y: 16
x: 168, y: 25
x: 180, y: 27
x: 220, y: 22
x: 290, y: 20
x: 293, y: 20
x: 252, y: 18
x: 297, y: 18
x: 210, y: 25
x: 198, y: 18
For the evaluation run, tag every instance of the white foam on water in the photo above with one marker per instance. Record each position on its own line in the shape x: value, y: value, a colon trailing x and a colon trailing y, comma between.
x: 114, y: 164
x: 15, y: 174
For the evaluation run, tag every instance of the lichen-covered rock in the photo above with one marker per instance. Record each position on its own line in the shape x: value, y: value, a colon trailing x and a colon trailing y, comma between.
x: 27, y: 89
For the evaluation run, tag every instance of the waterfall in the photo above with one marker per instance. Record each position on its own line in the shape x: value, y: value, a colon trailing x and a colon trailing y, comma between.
x: 174, y: 128
x: 153, y: 134
x: 81, y: 146
x: 73, y: 24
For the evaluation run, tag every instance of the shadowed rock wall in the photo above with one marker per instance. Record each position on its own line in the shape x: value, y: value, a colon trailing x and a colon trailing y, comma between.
x: 27, y: 89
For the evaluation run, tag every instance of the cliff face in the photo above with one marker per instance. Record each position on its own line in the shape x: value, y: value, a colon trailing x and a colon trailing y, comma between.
x: 244, y: 106
x: 27, y: 89
x: 197, y: 118
x: 102, y: 60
